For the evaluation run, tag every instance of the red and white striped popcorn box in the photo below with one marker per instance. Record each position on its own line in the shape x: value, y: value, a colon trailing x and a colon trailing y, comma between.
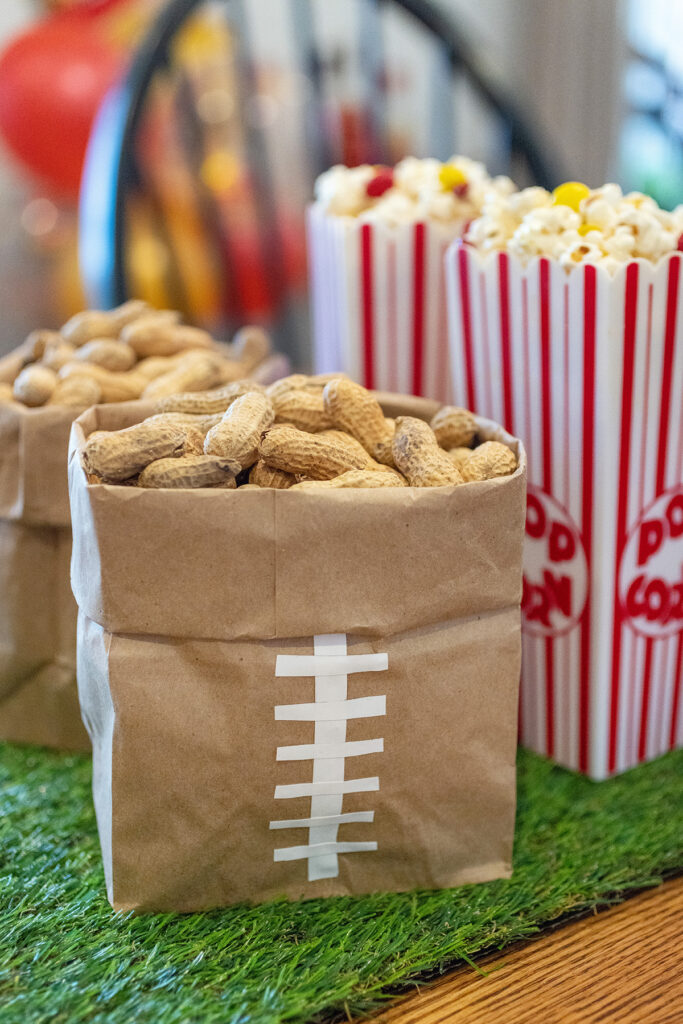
x: 588, y: 369
x: 379, y: 302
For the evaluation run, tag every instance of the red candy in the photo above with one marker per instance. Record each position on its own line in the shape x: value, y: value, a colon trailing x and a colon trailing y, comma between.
x: 381, y: 183
x: 461, y: 190
x: 680, y: 243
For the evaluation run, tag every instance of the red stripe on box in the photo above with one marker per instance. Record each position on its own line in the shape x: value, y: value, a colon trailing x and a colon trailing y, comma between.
x: 630, y: 311
x: 660, y: 479
x: 677, y: 693
x: 506, y: 358
x: 526, y: 363
x: 667, y: 371
x: 589, y: 328
x: 546, y: 407
x: 368, y: 306
x: 466, y: 314
x: 418, y: 308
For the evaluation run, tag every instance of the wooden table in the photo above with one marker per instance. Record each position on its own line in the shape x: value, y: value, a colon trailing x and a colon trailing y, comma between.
x: 620, y: 966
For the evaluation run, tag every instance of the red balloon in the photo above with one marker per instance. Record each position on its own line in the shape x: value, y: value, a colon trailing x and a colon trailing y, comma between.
x: 52, y: 80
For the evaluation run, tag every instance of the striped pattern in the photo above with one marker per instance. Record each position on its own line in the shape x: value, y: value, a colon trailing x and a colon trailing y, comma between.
x: 588, y: 371
x: 378, y: 303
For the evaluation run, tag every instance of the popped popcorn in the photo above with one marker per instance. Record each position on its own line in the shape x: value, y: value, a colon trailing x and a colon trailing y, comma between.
x: 414, y: 190
x: 575, y: 225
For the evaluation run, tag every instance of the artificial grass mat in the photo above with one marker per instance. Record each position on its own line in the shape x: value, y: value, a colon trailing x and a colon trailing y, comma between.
x: 66, y: 957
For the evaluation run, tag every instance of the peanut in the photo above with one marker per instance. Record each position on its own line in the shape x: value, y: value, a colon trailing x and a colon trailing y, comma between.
x: 238, y: 434
x: 489, y: 460
x: 294, y: 382
x: 418, y: 456
x: 303, y: 409
x: 383, y: 451
x: 35, y: 385
x: 153, y: 366
x: 189, y: 471
x: 262, y: 475
x: 315, y: 456
x: 252, y: 345
x: 353, y: 446
x: 186, y: 419
x: 196, y: 371
x: 6, y: 392
x: 115, y: 386
x: 37, y: 342
x: 154, y: 335
x: 356, y: 411
x: 77, y: 391
x: 111, y: 355
x: 91, y: 323
x: 216, y: 400
x: 119, y: 454
x: 459, y: 455
x: 57, y: 353
x: 353, y: 478
x: 453, y: 427
x: 129, y: 311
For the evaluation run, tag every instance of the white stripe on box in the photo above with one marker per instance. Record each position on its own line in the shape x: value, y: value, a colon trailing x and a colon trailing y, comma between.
x: 335, y: 710
x: 309, y: 751
x: 325, y: 819
x: 319, y: 849
x: 298, y: 789
x: 294, y: 665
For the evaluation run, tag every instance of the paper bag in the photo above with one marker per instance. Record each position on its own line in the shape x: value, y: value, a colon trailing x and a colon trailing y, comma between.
x: 298, y: 693
x: 38, y: 697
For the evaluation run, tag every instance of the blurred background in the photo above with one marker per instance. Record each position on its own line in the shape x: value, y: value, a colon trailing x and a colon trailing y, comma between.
x: 202, y: 126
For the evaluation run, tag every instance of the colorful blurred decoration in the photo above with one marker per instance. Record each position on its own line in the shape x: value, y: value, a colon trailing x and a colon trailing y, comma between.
x: 52, y: 81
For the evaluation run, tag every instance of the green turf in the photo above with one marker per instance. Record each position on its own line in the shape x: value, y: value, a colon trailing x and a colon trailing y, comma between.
x: 65, y: 957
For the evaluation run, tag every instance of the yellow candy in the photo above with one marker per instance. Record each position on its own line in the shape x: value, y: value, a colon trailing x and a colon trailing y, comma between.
x: 585, y: 228
x: 570, y: 194
x: 450, y: 176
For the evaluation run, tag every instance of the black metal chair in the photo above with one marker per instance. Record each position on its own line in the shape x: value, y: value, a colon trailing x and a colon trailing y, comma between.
x: 346, y: 111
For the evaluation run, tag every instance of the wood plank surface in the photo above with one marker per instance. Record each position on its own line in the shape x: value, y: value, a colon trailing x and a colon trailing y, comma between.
x: 621, y: 966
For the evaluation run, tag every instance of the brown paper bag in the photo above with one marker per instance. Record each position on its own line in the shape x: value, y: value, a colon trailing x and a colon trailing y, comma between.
x: 298, y: 693
x: 38, y: 696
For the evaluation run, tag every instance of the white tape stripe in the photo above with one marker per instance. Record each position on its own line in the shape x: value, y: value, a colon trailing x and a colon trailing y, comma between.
x: 307, y: 751
x: 325, y: 819
x: 293, y: 665
x: 320, y: 849
x: 291, y: 792
x: 327, y: 644
x: 334, y: 710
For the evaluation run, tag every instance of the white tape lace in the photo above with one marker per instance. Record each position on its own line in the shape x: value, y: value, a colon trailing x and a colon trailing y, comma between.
x: 331, y: 666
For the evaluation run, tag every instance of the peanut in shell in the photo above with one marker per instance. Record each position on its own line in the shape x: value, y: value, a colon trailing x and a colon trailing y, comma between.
x: 238, y: 434
x: 453, y: 427
x: 352, y: 408
x: 189, y: 471
x: 119, y: 454
x: 312, y: 455
x: 487, y: 461
x: 418, y: 456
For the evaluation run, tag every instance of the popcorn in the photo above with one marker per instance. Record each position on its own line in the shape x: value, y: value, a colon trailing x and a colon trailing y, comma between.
x: 575, y: 224
x: 415, y: 190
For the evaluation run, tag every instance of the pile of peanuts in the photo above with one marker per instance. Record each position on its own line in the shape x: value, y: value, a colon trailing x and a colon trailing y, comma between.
x: 303, y: 433
x: 129, y: 352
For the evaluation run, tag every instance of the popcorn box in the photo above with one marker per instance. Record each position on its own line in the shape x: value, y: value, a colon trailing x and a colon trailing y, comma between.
x: 588, y: 370
x: 378, y: 301
x: 307, y: 723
